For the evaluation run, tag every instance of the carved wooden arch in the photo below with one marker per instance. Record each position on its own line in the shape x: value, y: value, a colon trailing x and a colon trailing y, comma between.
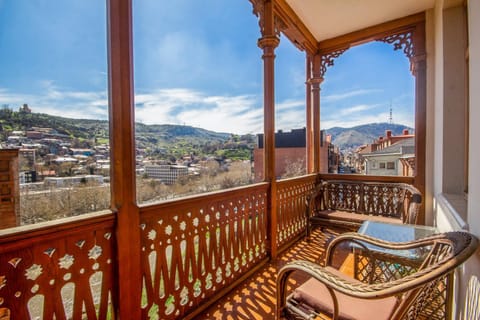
x: 406, y: 34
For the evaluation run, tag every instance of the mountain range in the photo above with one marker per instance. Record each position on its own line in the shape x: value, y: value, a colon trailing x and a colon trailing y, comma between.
x: 351, y: 138
x: 160, y: 136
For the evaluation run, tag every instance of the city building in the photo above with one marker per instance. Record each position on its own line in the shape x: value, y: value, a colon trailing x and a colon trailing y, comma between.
x: 166, y: 173
x: 383, y: 155
x: 391, y: 160
x: 60, y: 182
x: 291, y: 153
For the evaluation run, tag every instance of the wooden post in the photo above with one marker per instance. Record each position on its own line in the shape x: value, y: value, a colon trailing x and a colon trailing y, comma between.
x: 309, y: 114
x: 268, y: 43
x: 122, y: 143
x: 419, y: 70
x: 315, y: 81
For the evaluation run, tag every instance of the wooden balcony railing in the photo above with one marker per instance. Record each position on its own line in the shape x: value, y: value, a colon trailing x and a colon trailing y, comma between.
x: 192, y: 250
x: 291, y: 202
x: 59, y: 271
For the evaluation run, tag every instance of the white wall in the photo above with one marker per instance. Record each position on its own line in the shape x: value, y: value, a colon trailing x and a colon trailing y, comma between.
x: 471, y: 271
x: 448, y: 114
x: 474, y: 148
x: 467, y: 276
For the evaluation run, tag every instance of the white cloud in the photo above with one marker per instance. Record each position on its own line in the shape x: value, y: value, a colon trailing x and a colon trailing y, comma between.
x: 70, y: 104
x: 236, y: 114
x: 356, y: 109
x: 289, y: 104
x: 222, y: 113
x: 348, y: 94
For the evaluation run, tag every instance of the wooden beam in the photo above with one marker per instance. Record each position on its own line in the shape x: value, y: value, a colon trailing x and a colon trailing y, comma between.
x: 370, y: 33
x: 294, y: 28
x: 122, y: 143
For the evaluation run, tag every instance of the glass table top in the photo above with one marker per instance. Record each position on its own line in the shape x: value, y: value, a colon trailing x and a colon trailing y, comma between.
x: 397, y: 233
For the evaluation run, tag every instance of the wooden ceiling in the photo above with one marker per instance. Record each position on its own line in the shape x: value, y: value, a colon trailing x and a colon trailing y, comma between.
x: 326, y: 19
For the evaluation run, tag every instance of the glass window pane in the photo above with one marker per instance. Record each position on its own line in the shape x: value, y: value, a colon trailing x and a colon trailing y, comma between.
x: 198, y: 96
x: 368, y: 111
x: 54, y: 109
x: 290, y: 114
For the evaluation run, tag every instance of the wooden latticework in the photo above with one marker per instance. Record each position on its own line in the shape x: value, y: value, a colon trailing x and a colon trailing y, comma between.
x: 292, y: 196
x: 255, y: 298
x: 347, y: 203
x: 193, y: 248
x: 68, y: 273
x: 366, y: 198
x: 380, y: 268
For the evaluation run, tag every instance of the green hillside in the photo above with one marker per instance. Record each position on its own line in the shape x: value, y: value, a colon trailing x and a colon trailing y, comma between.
x: 159, y: 141
x: 354, y: 137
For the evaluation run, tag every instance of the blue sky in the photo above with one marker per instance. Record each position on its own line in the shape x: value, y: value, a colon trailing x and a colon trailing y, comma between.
x: 196, y: 63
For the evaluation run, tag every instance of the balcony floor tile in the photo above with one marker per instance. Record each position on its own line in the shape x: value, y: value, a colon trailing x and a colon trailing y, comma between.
x: 255, y: 298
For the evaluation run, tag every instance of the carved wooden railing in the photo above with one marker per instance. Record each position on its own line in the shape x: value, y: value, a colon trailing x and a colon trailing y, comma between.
x: 193, y: 248
x: 291, y: 202
x: 192, y: 251
x: 59, y: 271
x: 365, y: 178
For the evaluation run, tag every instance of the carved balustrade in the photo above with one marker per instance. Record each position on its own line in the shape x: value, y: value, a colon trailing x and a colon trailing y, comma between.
x: 193, y: 248
x: 291, y: 201
x: 60, y: 272
x: 192, y: 251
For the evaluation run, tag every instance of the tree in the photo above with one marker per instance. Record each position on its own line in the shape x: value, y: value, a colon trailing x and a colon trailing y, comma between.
x: 294, y: 168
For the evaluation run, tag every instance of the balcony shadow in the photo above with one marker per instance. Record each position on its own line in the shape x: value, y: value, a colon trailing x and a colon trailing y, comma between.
x: 255, y: 298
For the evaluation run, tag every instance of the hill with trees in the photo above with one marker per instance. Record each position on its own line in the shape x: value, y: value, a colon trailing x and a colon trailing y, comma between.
x: 170, y: 141
x: 165, y: 141
x: 351, y: 138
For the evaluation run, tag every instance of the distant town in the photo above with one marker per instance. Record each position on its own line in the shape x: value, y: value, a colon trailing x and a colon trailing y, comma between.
x: 62, y: 173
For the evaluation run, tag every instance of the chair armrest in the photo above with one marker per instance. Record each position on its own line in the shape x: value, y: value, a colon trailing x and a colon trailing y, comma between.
x: 362, y: 240
x: 447, y: 251
x: 332, y: 281
x: 437, y: 263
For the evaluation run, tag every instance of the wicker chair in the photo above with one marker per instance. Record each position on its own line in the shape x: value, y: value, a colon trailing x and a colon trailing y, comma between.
x: 407, y: 288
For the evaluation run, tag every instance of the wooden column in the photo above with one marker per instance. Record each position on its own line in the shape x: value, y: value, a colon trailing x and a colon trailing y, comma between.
x: 315, y: 81
x: 419, y: 70
x: 122, y: 143
x: 268, y: 43
x: 309, y: 114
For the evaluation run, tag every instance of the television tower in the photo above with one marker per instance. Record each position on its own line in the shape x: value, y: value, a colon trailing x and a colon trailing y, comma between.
x: 390, y: 118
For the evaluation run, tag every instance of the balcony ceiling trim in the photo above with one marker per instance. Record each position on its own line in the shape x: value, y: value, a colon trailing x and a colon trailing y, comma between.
x: 326, y: 19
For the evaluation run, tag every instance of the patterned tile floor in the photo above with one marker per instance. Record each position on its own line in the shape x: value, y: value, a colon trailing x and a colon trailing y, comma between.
x: 255, y: 297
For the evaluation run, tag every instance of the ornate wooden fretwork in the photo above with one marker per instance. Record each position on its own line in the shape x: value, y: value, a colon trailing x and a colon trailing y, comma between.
x: 285, y: 22
x: 401, y: 41
x: 258, y: 12
x: 328, y: 58
x: 279, y: 25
